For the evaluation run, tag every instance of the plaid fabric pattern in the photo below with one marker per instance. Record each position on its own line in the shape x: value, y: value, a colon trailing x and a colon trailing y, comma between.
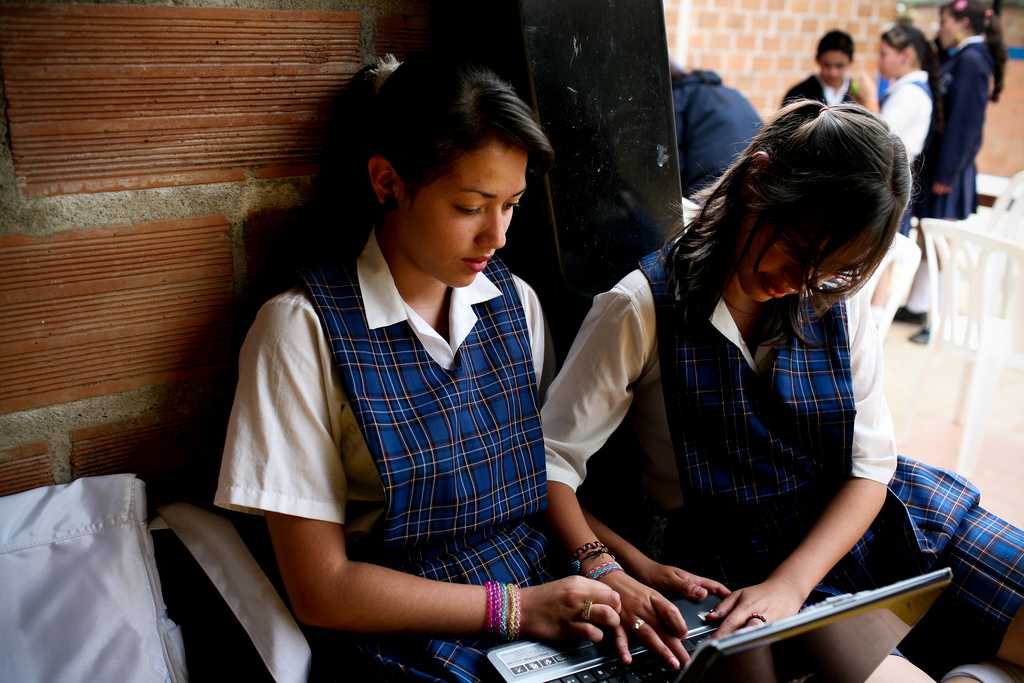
x: 743, y: 439
x: 460, y: 453
x: 762, y: 456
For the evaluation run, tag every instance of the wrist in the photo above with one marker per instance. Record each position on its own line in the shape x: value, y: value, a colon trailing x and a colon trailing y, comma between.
x: 603, y: 569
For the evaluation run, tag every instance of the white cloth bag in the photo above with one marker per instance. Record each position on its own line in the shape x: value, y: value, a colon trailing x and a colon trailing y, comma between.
x: 80, y: 596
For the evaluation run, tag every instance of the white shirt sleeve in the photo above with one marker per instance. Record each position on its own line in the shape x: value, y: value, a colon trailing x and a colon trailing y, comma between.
x: 540, y: 335
x: 283, y: 447
x: 595, y: 387
x: 874, y: 437
x: 909, y: 112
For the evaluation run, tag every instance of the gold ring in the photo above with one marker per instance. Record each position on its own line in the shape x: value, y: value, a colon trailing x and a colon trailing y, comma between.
x: 586, y: 610
x: 638, y: 623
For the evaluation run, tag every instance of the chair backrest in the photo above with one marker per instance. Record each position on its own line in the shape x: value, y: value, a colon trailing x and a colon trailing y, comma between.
x: 1007, y: 216
x: 982, y: 286
x: 902, y: 261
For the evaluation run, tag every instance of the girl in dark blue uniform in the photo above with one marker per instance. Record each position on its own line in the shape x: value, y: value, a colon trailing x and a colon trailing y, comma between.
x: 752, y: 374
x: 972, y: 74
x: 387, y: 417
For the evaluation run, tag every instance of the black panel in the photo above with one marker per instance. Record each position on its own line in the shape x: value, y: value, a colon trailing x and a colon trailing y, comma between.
x: 600, y: 78
x: 597, y: 71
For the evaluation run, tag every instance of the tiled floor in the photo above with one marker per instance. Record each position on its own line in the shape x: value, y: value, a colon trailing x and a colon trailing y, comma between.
x: 934, y: 438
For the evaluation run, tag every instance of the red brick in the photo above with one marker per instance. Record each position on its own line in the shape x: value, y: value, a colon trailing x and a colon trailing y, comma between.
x: 158, y: 96
x: 169, y: 450
x: 403, y: 35
x: 25, y: 466
x: 98, y: 311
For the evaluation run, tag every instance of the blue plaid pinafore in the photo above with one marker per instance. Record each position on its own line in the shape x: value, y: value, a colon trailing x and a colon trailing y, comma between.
x: 760, y: 456
x: 459, y: 451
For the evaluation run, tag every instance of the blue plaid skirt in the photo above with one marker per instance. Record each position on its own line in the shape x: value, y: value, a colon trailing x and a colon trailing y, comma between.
x: 931, y: 520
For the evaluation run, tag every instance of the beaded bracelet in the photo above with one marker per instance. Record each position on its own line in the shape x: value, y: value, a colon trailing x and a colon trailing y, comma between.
x: 504, y: 610
x: 603, y: 569
x: 515, y: 612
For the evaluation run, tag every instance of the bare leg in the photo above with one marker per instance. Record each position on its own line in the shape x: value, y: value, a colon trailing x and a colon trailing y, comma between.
x: 898, y: 670
x: 1012, y: 648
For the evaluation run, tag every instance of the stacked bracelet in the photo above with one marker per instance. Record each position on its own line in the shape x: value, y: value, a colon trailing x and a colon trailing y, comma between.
x: 593, y: 545
x: 504, y: 610
x: 603, y: 569
x: 581, y: 555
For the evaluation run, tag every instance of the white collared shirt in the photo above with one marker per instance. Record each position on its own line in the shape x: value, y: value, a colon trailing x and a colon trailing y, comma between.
x: 834, y: 95
x: 908, y: 110
x: 613, y: 366
x: 293, y: 444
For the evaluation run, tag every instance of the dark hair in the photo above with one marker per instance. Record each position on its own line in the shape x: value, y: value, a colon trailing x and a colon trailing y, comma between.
x: 902, y: 36
x: 984, y: 22
x: 838, y: 175
x: 836, y: 40
x: 423, y: 115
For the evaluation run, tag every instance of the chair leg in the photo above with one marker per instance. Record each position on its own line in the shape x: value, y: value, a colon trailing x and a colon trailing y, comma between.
x: 988, y: 366
x: 912, y: 403
x: 963, y: 391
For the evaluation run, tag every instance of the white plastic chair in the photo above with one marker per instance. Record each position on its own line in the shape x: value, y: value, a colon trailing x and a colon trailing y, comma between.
x: 902, y: 262
x: 1007, y: 216
x: 979, y: 319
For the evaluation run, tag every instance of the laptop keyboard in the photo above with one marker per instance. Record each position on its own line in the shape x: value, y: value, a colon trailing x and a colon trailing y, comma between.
x: 647, y: 667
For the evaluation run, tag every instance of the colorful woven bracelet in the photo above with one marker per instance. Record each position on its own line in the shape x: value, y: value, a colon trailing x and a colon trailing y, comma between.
x: 603, y: 569
x: 593, y: 545
x: 576, y: 566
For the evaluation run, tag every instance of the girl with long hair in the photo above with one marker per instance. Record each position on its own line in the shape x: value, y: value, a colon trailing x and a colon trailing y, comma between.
x: 387, y: 416
x: 752, y: 374
x: 972, y: 76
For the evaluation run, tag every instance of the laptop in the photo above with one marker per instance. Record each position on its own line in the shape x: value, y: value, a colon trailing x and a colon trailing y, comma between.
x: 842, y: 639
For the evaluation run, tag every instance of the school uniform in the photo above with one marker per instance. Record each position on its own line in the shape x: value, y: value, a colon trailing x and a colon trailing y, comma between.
x: 816, y: 89
x: 441, y: 443
x: 907, y: 106
x: 755, y: 442
x: 950, y: 159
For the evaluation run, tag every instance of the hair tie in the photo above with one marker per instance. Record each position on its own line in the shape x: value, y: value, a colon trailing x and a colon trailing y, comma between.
x: 960, y: 5
x: 824, y: 109
x: 386, y: 66
x: 988, y: 13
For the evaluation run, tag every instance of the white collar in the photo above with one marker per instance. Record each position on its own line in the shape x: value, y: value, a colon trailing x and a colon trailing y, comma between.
x: 723, y: 321
x: 970, y: 40
x: 384, y: 306
x: 833, y: 95
x: 906, y: 79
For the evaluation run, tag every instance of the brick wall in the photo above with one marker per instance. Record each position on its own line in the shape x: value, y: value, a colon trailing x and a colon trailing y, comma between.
x: 763, y: 47
x: 157, y: 162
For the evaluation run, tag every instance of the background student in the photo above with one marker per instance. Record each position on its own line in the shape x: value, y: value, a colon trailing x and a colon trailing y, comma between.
x: 972, y: 75
x: 832, y: 84
x: 714, y: 124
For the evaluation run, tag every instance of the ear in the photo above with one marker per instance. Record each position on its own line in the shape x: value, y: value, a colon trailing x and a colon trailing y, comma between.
x: 758, y: 165
x: 384, y: 179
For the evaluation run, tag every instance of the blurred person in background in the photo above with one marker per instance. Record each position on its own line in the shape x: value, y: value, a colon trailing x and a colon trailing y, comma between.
x: 832, y: 84
x: 972, y: 74
x: 714, y: 124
